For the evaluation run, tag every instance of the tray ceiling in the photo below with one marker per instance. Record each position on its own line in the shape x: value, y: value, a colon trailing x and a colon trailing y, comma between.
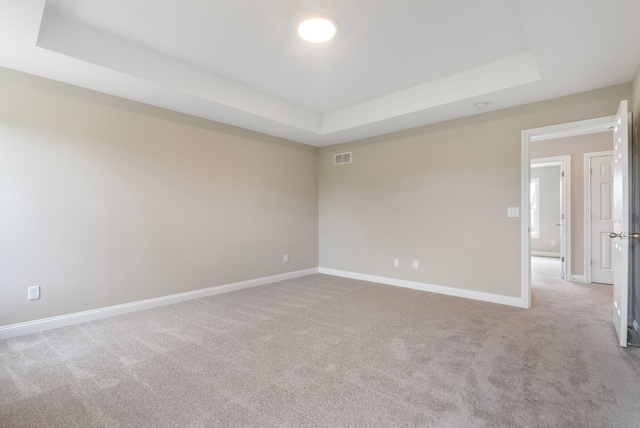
x: 392, y: 65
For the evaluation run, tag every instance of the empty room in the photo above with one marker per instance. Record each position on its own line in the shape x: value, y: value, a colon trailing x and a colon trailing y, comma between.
x: 280, y: 213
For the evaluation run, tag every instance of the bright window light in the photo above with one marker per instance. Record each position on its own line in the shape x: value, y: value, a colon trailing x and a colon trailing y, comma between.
x: 535, y: 208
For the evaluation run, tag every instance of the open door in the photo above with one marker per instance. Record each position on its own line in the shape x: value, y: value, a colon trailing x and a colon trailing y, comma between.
x: 563, y: 222
x: 620, y: 232
x: 561, y: 217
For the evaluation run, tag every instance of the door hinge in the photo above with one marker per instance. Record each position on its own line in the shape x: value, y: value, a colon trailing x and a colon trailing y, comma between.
x: 562, y: 216
x: 590, y: 171
x: 562, y: 259
x: 590, y: 262
x: 562, y: 173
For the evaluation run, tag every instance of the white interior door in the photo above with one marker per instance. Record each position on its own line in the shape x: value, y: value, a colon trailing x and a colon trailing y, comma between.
x: 601, y: 199
x: 621, y: 222
x: 563, y: 222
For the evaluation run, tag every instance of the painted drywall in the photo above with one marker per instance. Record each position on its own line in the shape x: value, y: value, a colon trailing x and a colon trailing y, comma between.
x: 106, y: 201
x: 439, y: 194
x: 576, y: 147
x: 549, y: 209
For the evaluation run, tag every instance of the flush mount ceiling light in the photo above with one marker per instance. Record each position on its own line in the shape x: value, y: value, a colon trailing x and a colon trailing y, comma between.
x: 481, y: 105
x: 317, y: 29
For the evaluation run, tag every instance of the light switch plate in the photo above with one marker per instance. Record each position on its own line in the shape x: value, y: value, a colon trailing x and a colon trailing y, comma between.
x: 513, y: 212
x: 33, y: 293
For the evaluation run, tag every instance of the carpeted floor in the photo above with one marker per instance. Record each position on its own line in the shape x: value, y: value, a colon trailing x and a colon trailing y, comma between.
x: 326, y: 351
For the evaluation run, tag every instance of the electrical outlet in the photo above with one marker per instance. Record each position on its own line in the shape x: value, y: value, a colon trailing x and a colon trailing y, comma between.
x: 513, y: 212
x: 415, y: 264
x: 396, y: 262
x: 33, y: 293
x: 553, y: 243
x: 286, y: 257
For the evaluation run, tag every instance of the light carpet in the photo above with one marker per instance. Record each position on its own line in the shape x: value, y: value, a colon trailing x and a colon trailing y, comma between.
x: 327, y: 351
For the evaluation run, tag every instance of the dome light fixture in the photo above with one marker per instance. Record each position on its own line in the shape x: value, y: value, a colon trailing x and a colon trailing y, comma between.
x: 318, y: 29
x: 482, y: 105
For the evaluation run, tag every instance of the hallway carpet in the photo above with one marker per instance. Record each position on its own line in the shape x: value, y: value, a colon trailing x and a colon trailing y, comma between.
x: 331, y: 352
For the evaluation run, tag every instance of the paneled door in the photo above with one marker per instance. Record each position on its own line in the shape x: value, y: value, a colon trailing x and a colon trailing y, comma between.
x: 601, y: 219
x: 620, y: 234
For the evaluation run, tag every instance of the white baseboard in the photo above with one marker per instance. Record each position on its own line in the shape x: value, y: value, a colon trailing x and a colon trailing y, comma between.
x: 35, y: 326
x: 578, y: 278
x: 450, y: 291
x: 545, y: 254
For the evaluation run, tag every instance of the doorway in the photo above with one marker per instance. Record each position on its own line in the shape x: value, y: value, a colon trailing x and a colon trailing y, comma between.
x: 550, y: 212
x: 572, y: 129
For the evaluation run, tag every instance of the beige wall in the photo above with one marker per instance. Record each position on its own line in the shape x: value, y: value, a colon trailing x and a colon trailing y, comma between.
x: 549, y: 209
x: 576, y: 147
x: 106, y: 201
x: 439, y: 194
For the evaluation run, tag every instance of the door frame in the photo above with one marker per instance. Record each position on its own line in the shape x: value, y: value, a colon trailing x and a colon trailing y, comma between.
x: 528, y: 136
x: 565, y: 205
x: 587, y: 210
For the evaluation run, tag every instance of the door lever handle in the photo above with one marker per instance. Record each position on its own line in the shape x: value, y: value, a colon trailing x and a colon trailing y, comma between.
x: 624, y: 235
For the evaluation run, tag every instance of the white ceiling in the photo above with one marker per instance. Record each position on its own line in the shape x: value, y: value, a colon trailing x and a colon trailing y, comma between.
x: 393, y: 65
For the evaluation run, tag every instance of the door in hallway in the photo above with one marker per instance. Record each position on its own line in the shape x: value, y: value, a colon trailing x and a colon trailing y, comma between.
x: 621, y: 223
x: 601, y: 219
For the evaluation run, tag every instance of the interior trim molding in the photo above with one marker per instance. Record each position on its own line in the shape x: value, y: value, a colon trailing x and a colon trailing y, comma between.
x: 20, y: 329
x: 439, y: 289
x: 545, y: 254
x: 569, y: 129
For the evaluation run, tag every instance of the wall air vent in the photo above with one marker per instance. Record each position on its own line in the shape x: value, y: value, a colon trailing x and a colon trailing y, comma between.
x: 342, y: 158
